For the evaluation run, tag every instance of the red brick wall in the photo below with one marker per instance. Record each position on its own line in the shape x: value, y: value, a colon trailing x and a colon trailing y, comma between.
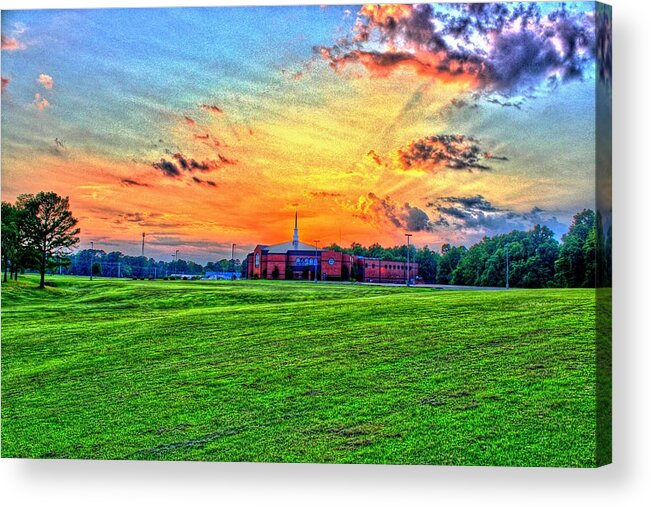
x: 273, y: 260
x: 249, y: 266
x: 256, y: 271
x: 376, y: 270
x: 331, y: 270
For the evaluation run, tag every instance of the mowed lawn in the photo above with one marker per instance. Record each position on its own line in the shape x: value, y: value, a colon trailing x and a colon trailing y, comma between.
x: 299, y: 372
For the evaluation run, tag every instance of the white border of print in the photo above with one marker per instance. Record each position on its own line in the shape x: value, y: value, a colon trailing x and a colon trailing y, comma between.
x: 109, y: 483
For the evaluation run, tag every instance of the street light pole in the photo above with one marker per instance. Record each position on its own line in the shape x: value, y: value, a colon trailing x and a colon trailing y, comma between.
x: 176, y: 261
x: 408, y: 267
x: 233, y: 258
x: 507, y: 267
x: 316, y: 260
x: 92, y: 259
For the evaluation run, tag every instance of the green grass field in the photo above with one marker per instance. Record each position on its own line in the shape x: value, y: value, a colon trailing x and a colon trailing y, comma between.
x: 299, y: 372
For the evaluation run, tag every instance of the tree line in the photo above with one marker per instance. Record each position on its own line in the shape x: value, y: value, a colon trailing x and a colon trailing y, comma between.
x: 117, y: 264
x: 536, y: 259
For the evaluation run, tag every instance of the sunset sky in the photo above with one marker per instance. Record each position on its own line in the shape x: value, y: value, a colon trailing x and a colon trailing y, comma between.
x: 210, y: 126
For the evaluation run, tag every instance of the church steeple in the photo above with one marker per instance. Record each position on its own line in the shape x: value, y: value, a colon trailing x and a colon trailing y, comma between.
x: 295, y: 241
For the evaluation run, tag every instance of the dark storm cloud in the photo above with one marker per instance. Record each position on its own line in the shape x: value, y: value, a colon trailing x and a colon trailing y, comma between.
x: 181, y: 164
x: 191, y: 165
x: 492, y: 156
x: 146, y: 219
x: 199, y: 181
x: 505, y: 103
x: 128, y: 182
x: 167, y: 168
x: 453, y: 151
x: 497, y: 48
x: 374, y: 209
x: 477, y: 214
x: 476, y: 202
x: 415, y: 219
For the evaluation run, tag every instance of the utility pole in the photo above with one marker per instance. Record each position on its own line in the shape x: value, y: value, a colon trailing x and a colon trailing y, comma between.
x: 176, y: 262
x: 142, y: 253
x: 316, y: 260
x: 233, y: 258
x: 119, y: 275
x: 408, y: 270
x: 507, y: 267
x: 92, y: 259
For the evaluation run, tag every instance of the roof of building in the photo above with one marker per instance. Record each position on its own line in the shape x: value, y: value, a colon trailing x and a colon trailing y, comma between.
x: 288, y: 246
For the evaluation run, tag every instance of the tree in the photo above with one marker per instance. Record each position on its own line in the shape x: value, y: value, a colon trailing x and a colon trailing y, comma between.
x: 427, y: 264
x: 9, y: 235
x: 576, y: 264
x: 275, y: 273
x: 17, y: 254
x: 531, y: 260
x: 97, y: 269
x: 50, y: 227
x: 450, y: 258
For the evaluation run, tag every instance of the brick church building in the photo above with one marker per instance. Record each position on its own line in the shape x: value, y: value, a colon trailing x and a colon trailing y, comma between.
x: 294, y: 260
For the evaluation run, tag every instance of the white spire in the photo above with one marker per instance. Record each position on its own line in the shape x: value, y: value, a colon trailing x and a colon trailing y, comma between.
x: 295, y: 241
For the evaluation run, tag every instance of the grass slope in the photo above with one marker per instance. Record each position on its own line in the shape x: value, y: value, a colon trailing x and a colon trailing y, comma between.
x: 281, y: 371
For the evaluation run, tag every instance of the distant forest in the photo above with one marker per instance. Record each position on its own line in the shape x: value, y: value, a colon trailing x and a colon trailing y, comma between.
x: 114, y: 264
x: 536, y: 259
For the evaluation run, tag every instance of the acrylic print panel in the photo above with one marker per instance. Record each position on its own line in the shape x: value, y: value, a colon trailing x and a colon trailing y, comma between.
x: 331, y: 234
